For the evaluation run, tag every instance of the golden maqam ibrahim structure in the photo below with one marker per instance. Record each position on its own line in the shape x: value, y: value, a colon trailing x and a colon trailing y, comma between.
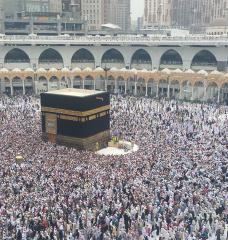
x: 189, y: 85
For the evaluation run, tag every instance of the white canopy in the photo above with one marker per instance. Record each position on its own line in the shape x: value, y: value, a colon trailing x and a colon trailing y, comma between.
x: 41, y: 70
x: 53, y: 70
x: 143, y: 70
x: 134, y: 71
x: 29, y: 70
x: 178, y: 71
x: 113, y: 69
x: 16, y: 70
x: 4, y: 70
x: 154, y: 71
x: 215, y: 72
x: 99, y: 69
x: 166, y: 71
x: 203, y: 72
x: 76, y: 70
x: 123, y: 69
x: 65, y: 70
x: 189, y: 71
x: 88, y: 69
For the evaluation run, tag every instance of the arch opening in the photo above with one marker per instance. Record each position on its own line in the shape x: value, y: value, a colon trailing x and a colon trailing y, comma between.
x: 53, y: 83
x: 77, y: 82
x: 174, y: 89
x: 224, y: 93
x: 42, y: 84
x: 17, y: 85
x: 141, y: 87
x: 152, y: 87
x: 131, y: 85
x: 7, y: 83
x: 17, y: 58
x: 120, y: 82
x: 171, y: 59
x: 111, y: 84
x: 89, y: 82
x: 163, y: 88
x: 28, y: 85
x: 212, y: 92
x: 83, y: 58
x: 186, y: 93
x: 141, y: 60
x: 204, y: 60
x: 112, y: 58
x: 198, y: 92
x: 16, y: 55
x: 50, y: 58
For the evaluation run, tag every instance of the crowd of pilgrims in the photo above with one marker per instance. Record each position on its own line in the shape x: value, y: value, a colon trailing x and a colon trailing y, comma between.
x: 173, y: 188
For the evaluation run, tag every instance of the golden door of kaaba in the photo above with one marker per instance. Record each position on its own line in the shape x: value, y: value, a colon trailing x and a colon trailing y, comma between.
x: 51, y: 127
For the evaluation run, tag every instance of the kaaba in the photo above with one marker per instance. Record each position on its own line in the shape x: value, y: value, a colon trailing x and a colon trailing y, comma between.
x: 76, y: 118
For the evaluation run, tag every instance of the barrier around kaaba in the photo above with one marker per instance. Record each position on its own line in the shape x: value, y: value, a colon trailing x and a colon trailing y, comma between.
x: 76, y: 117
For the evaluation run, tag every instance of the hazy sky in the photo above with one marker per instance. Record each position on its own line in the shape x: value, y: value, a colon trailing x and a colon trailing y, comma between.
x: 137, y: 8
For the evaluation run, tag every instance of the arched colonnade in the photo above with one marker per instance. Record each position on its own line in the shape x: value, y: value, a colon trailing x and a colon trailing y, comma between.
x: 139, y: 58
x: 167, y: 83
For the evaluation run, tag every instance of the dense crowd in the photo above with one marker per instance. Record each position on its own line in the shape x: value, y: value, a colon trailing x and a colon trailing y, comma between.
x: 173, y: 188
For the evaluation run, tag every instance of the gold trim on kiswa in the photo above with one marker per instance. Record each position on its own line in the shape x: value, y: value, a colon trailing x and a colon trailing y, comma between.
x: 92, y: 117
x: 71, y: 118
x: 83, y: 119
x: 75, y: 113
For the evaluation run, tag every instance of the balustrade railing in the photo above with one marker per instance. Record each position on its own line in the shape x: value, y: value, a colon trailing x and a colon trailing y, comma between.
x: 119, y: 39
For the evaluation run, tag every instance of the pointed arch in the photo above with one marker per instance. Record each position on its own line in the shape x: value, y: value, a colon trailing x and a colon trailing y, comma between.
x: 141, y: 59
x: 171, y: 59
x: 113, y: 58
x: 16, y: 55
x: 83, y: 58
x: 83, y: 55
x: 50, y: 58
x: 205, y: 60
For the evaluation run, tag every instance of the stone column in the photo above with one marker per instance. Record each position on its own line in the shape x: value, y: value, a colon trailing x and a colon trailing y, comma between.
x: 35, y: 86
x: 211, y: 93
x: 94, y: 83
x: 23, y: 86
x: 205, y: 93
x: 181, y: 92
x: 146, y: 89
x: 72, y: 82
x: 106, y: 87
x: 115, y: 90
x: 135, y: 88
x: 157, y: 90
x: 48, y: 84
x: 125, y: 90
x: 11, y: 87
x: 168, y: 91
x: 192, y: 97
x: 58, y: 84
x: 1, y: 85
x: 218, y: 100
x: 83, y: 83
